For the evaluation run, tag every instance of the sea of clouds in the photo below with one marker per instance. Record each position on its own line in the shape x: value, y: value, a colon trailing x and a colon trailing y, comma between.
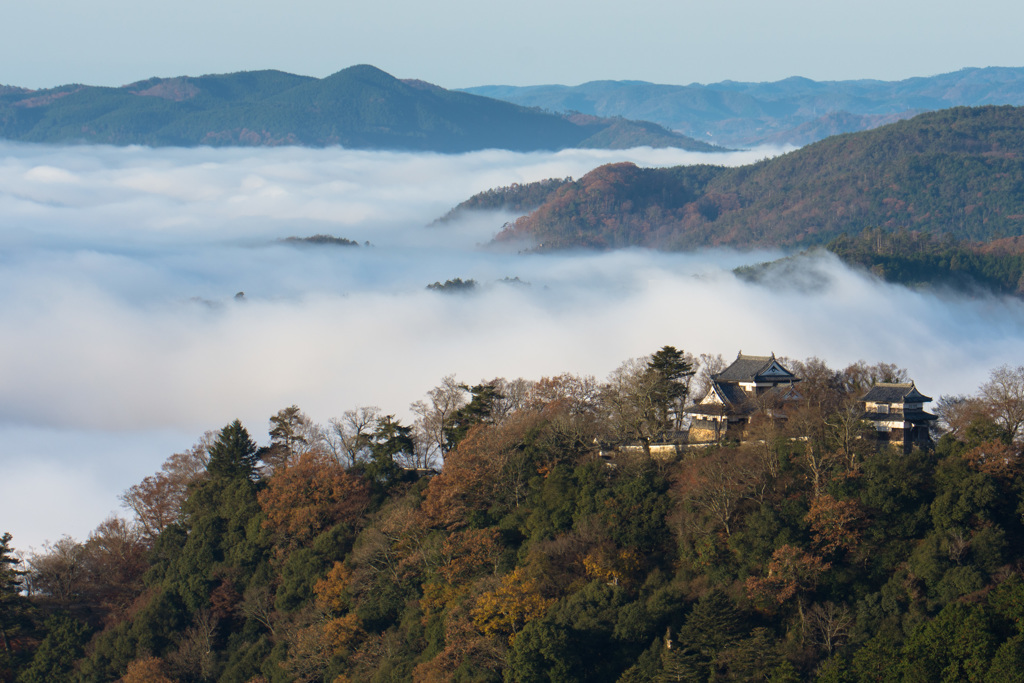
x: 123, y: 340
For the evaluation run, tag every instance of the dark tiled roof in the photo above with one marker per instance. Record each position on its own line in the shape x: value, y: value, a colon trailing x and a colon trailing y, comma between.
x: 744, y: 368
x: 712, y: 407
x: 738, y: 402
x: 750, y: 369
x: 904, y: 392
x: 733, y: 395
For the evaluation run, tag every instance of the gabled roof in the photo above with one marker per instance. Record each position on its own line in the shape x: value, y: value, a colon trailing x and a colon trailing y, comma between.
x: 723, y: 395
x: 892, y: 392
x: 732, y: 393
x: 755, y: 369
x: 729, y: 399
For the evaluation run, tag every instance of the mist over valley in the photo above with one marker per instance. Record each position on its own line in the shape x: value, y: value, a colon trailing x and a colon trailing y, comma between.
x: 125, y: 341
x: 322, y: 361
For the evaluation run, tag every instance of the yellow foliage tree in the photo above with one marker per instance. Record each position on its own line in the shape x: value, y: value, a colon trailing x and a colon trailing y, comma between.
x: 332, y: 590
x: 332, y: 633
x: 147, y: 670
x: 510, y: 606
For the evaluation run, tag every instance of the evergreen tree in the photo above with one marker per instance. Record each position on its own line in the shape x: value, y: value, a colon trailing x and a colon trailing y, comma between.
x: 233, y: 454
x: 55, y: 658
x: 390, y: 440
x: 14, y: 608
x: 13, y: 605
x: 713, y: 626
x: 477, y: 411
x: 671, y: 372
x: 289, y: 432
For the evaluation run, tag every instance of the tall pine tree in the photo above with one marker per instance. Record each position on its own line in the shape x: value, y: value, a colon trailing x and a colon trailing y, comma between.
x: 233, y: 454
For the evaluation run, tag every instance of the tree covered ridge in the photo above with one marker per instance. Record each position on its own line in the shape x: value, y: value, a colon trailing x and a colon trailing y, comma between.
x: 793, y: 111
x: 915, y: 259
x: 919, y: 259
x: 359, y: 107
x: 958, y: 171
x: 331, y: 554
x: 521, y: 197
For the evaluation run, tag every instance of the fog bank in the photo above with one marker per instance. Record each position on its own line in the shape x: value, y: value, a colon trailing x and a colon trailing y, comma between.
x: 124, y: 340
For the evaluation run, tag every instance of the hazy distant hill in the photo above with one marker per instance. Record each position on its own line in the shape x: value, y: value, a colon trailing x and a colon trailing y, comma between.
x: 792, y: 111
x: 956, y: 172
x: 359, y: 107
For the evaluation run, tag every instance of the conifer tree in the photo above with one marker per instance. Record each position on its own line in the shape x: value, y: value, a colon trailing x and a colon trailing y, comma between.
x: 389, y: 442
x: 670, y: 383
x: 13, y: 605
x: 233, y: 454
x: 477, y: 411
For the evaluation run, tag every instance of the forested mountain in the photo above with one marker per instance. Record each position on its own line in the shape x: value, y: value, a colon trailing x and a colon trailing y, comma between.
x: 912, y: 259
x: 957, y: 172
x: 359, y: 107
x: 808, y: 552
x: 793, y: 111
x: 917, y: 259
x: 517, y: 197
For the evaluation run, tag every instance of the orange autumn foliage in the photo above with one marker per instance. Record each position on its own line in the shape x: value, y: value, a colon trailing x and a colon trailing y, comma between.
x: 834, y: 524
x: 474, y: 474
x: 468, y: 552
x: 790, y: 571
x: 996, y: 459
x: 309, y: 496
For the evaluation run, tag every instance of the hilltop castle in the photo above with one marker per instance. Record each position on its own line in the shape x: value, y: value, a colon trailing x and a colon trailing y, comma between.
x: 750, y: 384
x: 897, y: 411
x: 760, y: 384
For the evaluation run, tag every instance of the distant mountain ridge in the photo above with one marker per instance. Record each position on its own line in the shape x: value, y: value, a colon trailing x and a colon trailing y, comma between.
x: 359, y: 107
x: 794, y: 111
x: 956, y: 172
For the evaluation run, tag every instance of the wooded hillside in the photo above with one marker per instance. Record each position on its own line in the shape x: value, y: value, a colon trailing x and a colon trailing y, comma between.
x: 334, y: 554
x: 958, y: 172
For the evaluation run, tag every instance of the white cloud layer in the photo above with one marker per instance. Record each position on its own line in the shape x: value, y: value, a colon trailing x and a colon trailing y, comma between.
x: 122, y: 341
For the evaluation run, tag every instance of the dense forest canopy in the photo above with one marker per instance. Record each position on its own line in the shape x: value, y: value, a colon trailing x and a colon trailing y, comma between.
x: 957, y: 172
x: 918, y: 260
x: 503, y: 535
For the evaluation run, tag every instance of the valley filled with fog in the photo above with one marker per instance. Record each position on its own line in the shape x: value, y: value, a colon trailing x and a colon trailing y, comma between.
x: 125, y: 336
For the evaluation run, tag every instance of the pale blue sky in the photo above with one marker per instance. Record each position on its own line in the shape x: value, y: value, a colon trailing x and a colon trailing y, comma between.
x: 462, y: 43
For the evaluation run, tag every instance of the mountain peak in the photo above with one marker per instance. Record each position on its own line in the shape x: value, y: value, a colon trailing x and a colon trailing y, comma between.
x: 363, y: 71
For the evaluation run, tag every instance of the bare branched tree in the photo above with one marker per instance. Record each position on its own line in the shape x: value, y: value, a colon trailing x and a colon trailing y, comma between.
x: 434, y: 414
x: 708, y: 366
x: 513, y: 396
x: 630, y: 398
x: 156, y: 501
x: 59, y: 572
x: 1003, y: 395
x: 349, y: 436
x: 828, y: 625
